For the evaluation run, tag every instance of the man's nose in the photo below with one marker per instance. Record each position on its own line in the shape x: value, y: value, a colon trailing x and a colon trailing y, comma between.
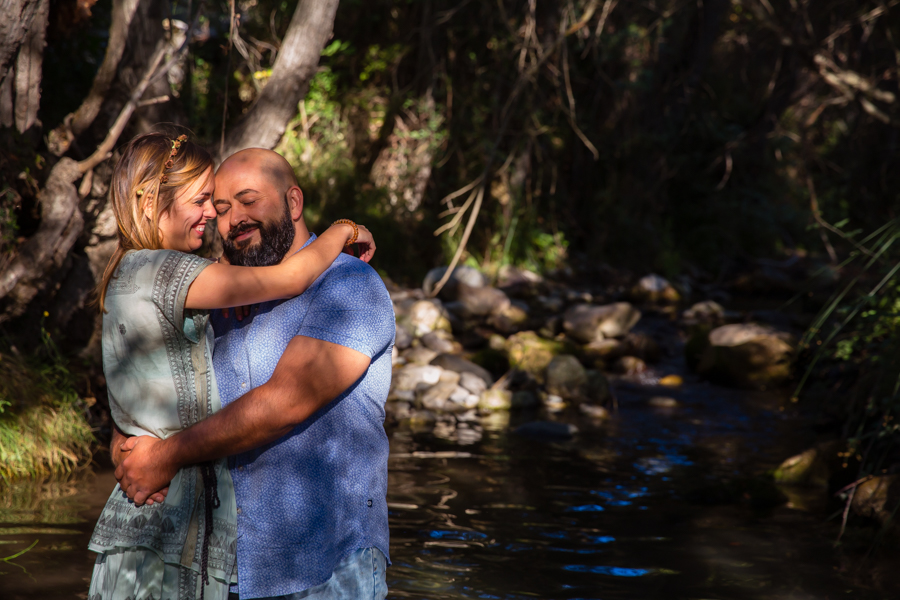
x: 237, y: 214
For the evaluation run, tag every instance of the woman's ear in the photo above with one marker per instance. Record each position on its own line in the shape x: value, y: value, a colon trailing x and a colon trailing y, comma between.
x: 147, y: 207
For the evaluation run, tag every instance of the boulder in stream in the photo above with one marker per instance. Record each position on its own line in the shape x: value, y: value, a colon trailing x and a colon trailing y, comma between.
x: 877, y: 498
x: 566, y: 378
x: 809, y: 468
x: 654, y: 289
x: 531, y: 353
x: 458, y: 364
x: 461, y: 274
x: 747, y: 355
x: 425, y: 316
x: 477, y: 301
x: 588, y: 322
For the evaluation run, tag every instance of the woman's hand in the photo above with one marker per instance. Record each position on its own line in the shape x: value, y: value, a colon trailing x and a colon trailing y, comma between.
x: 366, y: 243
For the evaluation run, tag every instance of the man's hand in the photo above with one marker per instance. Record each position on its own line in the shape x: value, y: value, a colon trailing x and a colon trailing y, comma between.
x: 144, y: 471
x: 117, y: 454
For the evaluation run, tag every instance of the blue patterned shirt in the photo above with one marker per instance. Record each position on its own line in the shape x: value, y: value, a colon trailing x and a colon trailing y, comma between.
x: 313, y: 497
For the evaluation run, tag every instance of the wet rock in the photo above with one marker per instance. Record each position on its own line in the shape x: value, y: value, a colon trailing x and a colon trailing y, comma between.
x: 629, y: 365
x: 594, y: 411
x: 466, y: 436
x: 473, y: 383
x: 598, y: 390
x: 437, y: 398
x: 566, y: 377
x: 587, y: 323
x: 461, y: 274
x: 419, y: 355
x: 420, y: 420
x: 641, y: 345
x: 433, y: 340
x: 402, y: 395
x: 747, y: 355
x: 525, y: 399
x: 877, y: 498
x: 552, y: 327
x: 445, y: 430
x: 602, y: 351
x: 663, y: 402
x: 409, y: 377
x: 402, y: 338
x: 530, y: 353
x: 547, y: 430
x: 477, y: 301
x: 655, y: 290
x: 553, y: 403
x: 493, y: 400
x: 509, y: 319
x: 708, y: 312
x: 425, y: 316
x: 809, y: 468
x: 449, y: 377
x: 671, y: 381
x: 458, y: 364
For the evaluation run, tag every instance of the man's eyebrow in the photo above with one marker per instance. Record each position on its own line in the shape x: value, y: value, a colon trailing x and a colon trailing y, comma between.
x: 245, y: 192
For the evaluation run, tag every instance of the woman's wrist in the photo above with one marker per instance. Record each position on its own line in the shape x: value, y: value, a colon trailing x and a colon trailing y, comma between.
x: 353, y: 233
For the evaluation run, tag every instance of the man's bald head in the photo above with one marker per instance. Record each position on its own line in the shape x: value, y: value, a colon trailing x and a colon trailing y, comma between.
x: 258, y: 162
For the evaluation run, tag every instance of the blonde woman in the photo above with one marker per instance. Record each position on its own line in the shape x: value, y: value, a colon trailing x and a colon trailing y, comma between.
x: 157, y: 358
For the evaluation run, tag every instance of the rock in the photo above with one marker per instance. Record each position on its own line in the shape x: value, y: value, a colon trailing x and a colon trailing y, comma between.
x: 402, y: 338
x: 551, y: 304
x: 425, y: 316
x: 566, y: 377
x: 396, y: 360
x: 510, y: 276
x: 466, y: 436
x: 472, y: 382
x: 663, y: 402
x: 398, y: 410
x: 708, y: 312
x: 877, y: 498
x: 493, y: 400
x: 548, y: 430
x: 421, y: 419
x: 630, y: 365
x: 553, y: 403
x: 606, y: 350
x: 465, y: 274
x: 525, y: 399
x: 419, y: 355
x: 598, y: 390
x: 402, y: 395
x: 809, y: 468
x: 747, y: 355
x: 449, y: 377
x: 436, y: 398
x: 587, y: 322
x: 530, y: 353
x: 434, y: 341
x: 509, y: 319
x: 594, y: 411
x: 409, y: 377
x: 477, y: 301
x: 641, y: 345
x: 671, y: 381
x: 459, y: 395
x: 445, y: 430
x: 458, y: 364
x: 655, y: 290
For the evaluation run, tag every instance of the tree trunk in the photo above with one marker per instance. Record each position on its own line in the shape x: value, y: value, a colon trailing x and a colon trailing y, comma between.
x: 20, y: 97
x: 297, y: 61
x: 14, y: 26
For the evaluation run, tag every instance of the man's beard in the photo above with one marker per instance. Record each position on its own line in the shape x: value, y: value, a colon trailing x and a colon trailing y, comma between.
x: 275, y: 239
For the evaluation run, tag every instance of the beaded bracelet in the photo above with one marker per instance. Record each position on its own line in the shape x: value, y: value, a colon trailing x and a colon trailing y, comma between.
x: 352, y: 240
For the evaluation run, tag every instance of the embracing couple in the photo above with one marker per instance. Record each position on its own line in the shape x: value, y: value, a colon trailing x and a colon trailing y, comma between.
x: 250, y: 449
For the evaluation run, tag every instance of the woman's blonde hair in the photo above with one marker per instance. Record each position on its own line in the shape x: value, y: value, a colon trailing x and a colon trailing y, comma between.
x: 144, y: 185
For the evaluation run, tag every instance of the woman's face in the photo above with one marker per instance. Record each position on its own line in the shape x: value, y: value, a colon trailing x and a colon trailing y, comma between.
x: 182, y: 227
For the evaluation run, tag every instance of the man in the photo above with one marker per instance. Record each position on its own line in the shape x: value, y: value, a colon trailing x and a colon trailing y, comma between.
x: 303, y: 384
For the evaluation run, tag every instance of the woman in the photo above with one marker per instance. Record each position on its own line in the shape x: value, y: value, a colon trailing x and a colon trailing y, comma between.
x: 157, y: 345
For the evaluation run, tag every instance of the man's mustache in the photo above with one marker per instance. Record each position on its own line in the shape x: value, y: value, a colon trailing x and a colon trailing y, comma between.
x: 241, y: 229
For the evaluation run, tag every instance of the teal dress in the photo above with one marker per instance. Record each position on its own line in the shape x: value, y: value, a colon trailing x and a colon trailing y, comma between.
x: 157, y: 359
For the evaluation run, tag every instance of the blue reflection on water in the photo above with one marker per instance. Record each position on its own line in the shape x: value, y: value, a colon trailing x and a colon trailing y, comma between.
x: 586, y: 508
x: 601, y: 539
x: 604, y: 570
x: 456, y: 535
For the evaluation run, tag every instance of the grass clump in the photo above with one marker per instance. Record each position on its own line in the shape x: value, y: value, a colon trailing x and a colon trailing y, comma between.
x: 43, y: 426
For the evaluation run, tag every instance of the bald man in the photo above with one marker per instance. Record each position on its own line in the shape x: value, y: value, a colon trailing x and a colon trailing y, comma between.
x: 303, y: 384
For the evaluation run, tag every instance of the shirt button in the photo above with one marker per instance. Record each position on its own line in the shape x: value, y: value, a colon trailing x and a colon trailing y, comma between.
x: 238, y: 510
x: 243, y: 384
x: 369, y: 503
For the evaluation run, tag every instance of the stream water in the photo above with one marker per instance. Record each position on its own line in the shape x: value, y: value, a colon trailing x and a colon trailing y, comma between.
x: 633, y: 507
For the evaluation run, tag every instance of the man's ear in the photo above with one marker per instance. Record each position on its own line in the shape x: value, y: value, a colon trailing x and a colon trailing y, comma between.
x: 295, y: 202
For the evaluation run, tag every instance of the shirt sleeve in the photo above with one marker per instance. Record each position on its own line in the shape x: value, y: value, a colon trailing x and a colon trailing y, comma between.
x: 174, y: 272
x: 351, y: 308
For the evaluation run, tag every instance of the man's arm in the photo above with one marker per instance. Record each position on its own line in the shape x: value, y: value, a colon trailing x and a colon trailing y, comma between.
x: 309, y: 375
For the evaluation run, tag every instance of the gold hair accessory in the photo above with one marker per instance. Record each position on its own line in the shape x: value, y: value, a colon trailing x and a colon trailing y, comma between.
x: 140, y: 192
x: 352, y: 240
x: 176, y: 145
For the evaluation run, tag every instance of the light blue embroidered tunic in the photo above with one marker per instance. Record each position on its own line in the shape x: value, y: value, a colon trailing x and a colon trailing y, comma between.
x: 312, y: 498
x: 157, y: 363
